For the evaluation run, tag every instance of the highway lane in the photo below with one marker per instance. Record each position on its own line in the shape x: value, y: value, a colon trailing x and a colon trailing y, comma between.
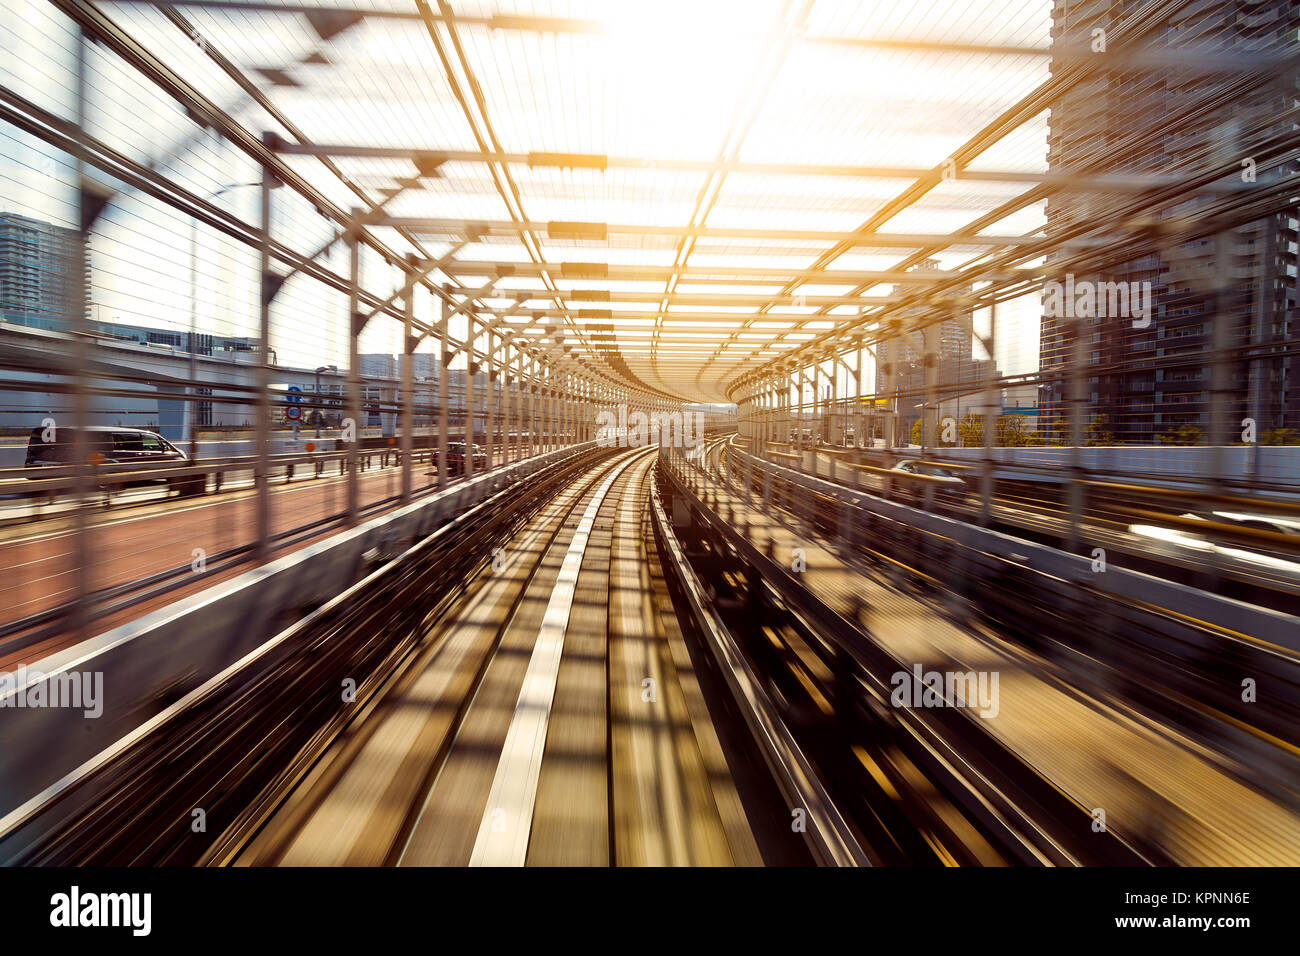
x: 143, y: 538
x: 1139, y: 528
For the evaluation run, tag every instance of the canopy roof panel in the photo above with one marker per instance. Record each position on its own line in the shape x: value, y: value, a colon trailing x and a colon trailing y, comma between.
x: 711, y: 181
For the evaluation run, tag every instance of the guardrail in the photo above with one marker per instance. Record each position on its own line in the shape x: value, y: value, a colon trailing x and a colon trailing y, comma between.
x: 54, y: 479
x: 1165, y: 647
x: 1055, y: 465
x: 992, y: 783
x: 157, y: 578
x: 1233, y: 619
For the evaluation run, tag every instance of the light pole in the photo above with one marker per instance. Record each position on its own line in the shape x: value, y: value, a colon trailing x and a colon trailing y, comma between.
x: 319, y: 407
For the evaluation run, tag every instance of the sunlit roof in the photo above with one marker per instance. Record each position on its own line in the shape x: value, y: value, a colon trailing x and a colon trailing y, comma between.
x: 710, y: 181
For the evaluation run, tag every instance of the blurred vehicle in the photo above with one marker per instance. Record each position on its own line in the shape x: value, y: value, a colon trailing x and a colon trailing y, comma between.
x: 1196, y: 547
x: 1258, y: 522
x: 945, y: 482
x: 456, y: 458
x: 117, y: 451
x: 805, y: 436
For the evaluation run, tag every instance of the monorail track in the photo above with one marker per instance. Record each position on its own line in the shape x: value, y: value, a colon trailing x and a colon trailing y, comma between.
x: 553, y: 719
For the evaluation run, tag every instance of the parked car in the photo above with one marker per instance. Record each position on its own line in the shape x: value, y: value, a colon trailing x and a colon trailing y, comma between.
x: 456, y: 458
x: 114, y: 450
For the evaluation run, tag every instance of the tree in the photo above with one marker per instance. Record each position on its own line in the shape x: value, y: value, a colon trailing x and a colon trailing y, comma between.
x: 1182, y: 435
x: 1097, y: 433
x: 1012, y: 431
x: 971, y: 430
x: 1279, y: 436
x: 1053, y: 431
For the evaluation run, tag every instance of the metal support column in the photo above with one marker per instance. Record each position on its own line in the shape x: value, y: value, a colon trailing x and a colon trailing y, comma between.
x: 891, y: 390
x: 262, y: 472
x: 834, y: 397
x: 408, y: 379
x: 1217, y: 432
x: 1078, y: 402
x: 534, y: 400
x: 992, y: 409
x: 355, y: 321
x: 444, y: 387
x: 79, y: 353
x: 491, y: 401
x: 930, y: 420
x: 508, y: 426
x: 471, y: 373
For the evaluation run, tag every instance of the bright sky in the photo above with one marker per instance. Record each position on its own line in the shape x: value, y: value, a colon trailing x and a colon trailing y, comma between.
x: 758, y: 81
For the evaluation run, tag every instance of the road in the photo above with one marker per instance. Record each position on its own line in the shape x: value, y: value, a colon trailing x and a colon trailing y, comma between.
x: 146, y: 535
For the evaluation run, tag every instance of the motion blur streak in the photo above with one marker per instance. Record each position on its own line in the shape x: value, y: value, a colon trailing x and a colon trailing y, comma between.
x: 710, y: 433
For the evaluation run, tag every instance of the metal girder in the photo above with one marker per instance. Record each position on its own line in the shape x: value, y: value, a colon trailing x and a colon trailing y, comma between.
x: 1136, y: 25
x: 418, y: 269
x: 675, y: 319
x: 1132, y: 27
x: 114, y: 37
x: 485, y: 137
x: 111, y: 34
x: 1207, y: 220
x: 685, y: 298
x: 1120, y: 182
x: 601, y: 231
x: 711, y: 275
x: 1153, y: 57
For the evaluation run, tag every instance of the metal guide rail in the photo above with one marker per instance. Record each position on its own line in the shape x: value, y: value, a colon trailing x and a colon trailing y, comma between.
x: 1116, y: 636
x: 523, y: 732
x: 832, y: 839
x: 1240, y: 545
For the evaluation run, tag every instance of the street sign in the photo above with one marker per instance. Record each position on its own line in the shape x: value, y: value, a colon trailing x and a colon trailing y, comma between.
x: 293, y: 412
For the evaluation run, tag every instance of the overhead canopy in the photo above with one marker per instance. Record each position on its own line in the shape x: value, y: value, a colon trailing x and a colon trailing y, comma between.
x: 692, y: 187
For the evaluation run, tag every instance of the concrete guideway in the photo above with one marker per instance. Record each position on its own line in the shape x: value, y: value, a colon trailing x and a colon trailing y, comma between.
x: 414, y: 782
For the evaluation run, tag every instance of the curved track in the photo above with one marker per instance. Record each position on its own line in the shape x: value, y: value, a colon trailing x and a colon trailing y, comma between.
x: 552, y: 718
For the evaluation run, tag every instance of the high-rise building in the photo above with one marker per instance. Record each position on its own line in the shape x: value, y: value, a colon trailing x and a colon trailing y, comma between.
x: 951, y: 343
x: 1146, y: 382
x: 903, y: 377
x: 38, y: 268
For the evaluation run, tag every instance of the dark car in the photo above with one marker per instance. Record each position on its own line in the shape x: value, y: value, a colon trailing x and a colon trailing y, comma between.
x: 115, y: 451
x: 456, y: 458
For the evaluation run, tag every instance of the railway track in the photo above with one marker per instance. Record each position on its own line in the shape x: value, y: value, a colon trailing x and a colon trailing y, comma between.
x: 552, y: 719
x: 562, y: 676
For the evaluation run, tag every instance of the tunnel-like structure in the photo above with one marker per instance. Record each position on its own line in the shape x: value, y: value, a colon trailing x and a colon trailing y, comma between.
x: 702, y: 416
